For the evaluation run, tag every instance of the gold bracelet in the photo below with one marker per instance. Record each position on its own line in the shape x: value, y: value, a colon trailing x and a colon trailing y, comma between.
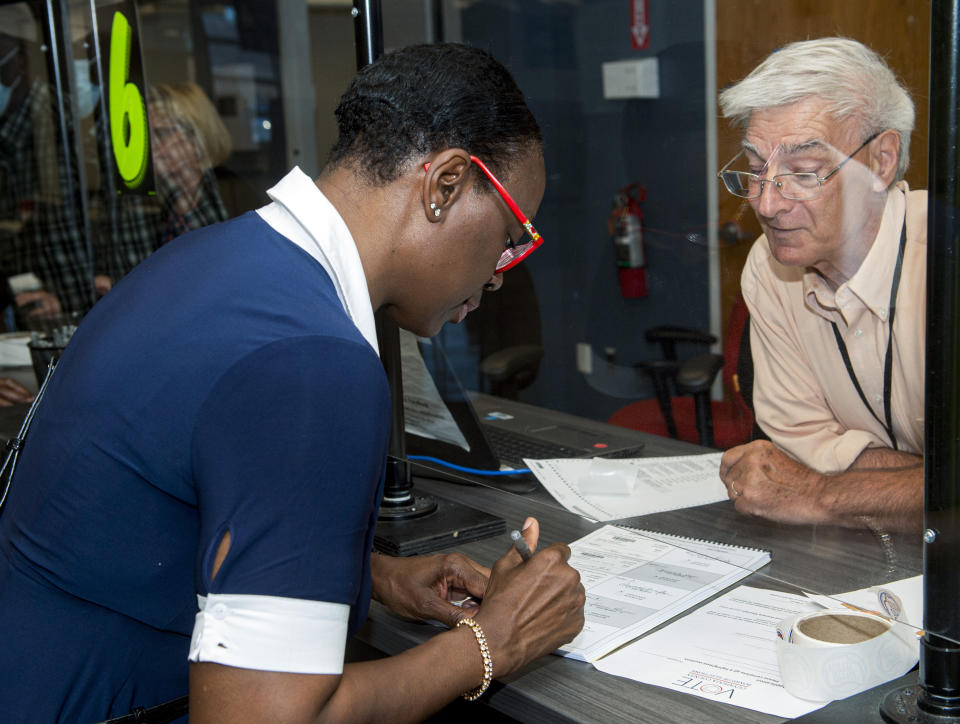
x: 475, y: 694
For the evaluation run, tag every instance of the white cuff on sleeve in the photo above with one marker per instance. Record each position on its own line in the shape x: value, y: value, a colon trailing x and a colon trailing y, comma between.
x: 270, y: 633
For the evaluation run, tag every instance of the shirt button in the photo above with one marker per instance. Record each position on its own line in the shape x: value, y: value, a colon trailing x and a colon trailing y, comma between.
x: 220, y: 612
x: 877, y: 398
x: 858, y: 333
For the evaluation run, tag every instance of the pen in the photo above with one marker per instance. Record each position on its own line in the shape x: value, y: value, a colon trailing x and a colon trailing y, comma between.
x: 521, y: 545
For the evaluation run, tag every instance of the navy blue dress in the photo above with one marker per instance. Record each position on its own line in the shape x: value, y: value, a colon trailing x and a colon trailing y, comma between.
x: 219, y: 386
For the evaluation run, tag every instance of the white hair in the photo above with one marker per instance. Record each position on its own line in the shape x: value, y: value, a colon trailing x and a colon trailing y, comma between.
x: 852, y: 79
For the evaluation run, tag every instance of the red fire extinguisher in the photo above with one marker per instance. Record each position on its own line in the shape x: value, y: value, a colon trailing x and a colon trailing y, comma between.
x: 625, y: 224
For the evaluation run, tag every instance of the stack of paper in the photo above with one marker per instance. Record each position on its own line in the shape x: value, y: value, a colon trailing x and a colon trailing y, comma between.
x: 635, y: 580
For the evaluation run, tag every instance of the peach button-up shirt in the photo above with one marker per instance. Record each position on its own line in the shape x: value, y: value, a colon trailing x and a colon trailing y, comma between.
x: 803, y: 396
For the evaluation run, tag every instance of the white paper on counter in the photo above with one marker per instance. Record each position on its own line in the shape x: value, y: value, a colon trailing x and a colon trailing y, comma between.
x: 724, y: 651
x: 907, y: 596
x: 667, y: 483
x: 13, y: 349
x: 635, y: 580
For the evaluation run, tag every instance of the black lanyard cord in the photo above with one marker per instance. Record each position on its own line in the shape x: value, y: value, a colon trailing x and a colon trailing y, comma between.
x: 14, y: 444
x: 888, y: 359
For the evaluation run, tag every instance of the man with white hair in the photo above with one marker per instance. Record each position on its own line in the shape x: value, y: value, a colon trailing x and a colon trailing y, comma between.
x: 836, y: 288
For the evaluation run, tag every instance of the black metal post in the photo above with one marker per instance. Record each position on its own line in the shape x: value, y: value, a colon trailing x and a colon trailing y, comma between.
x: 940, y: 653
x: 409, y: 522
x: 398, y: 498
x: 434, y: 12
x: 937, y: 698
x: 367, y: 31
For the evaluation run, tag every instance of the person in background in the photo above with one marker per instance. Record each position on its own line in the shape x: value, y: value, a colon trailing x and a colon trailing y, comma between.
x: 187, y: 141
x: 202, y: 479
x: 58, y: 260
x: 836, y: 288
x: 43, y: 247
x: 238, y: 195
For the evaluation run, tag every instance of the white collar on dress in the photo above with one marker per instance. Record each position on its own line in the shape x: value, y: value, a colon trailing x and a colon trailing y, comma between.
x: 301, y: 213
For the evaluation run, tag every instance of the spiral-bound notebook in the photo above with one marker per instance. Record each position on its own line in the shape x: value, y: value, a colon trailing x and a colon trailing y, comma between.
x: 636, y: 580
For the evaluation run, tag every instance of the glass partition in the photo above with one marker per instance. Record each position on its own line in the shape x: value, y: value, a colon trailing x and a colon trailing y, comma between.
x: 640, y: 273
x: 209, y: 98
x: 645, y: 247
x: 45, y: 249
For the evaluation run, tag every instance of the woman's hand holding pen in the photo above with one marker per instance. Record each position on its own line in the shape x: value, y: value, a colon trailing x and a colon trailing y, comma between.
x: 531, y: 607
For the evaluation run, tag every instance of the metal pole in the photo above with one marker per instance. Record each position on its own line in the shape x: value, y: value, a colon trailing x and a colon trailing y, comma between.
x: 367, y: 30
x: 433, y: 9
x: 937, y: 696
x: 399, y: 500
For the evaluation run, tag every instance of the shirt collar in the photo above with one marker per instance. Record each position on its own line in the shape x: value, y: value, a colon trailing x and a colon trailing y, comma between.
x: 304, y: 215
x: 871, y: 282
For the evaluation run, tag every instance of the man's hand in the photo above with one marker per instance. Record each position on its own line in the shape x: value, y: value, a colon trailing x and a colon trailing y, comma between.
x: 763, y: 480
x: 12, y: 392
x: 424, y: 587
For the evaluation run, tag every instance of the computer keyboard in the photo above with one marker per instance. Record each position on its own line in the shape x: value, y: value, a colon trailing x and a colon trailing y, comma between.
x: 627, y: 452
x: 511, y: 448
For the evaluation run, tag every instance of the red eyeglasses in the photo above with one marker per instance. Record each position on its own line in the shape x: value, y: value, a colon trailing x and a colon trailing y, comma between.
x: 514, y: 252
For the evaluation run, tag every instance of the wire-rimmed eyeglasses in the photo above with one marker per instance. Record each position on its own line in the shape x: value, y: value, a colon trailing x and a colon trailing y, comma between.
x: 514, y: 253
x: 793, y: 186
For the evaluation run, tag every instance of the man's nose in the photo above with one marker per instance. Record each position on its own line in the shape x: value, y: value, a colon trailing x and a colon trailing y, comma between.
x: 494, y: 283
x: 770, y: 201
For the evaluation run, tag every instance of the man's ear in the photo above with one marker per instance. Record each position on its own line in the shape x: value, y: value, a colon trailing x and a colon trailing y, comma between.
x: 448, y: 177
x: 884, y: 157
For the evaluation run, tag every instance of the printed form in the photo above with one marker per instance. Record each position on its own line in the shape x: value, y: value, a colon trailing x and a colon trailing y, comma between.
x: 635, y: 582
x: 724, y: 651
x: 655, y: 485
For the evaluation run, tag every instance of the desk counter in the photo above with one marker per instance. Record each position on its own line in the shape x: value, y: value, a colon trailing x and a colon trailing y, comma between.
x: 556, y: 689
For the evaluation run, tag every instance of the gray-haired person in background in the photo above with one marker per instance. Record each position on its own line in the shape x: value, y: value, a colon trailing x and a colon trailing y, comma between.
x: 836, y: 288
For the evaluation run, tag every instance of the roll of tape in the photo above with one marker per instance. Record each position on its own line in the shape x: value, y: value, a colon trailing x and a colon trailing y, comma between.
x: 823, y: 670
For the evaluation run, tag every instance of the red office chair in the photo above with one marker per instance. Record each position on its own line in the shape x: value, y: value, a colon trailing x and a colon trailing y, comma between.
x: 683, y: 408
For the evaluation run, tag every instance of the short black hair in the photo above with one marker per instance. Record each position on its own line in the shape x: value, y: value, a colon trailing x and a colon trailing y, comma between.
x: 427, y: 97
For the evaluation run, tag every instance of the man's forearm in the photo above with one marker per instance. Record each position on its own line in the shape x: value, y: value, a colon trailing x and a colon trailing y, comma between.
x: 884, y: 457
x: 763, y: 480
x: 887, y: 496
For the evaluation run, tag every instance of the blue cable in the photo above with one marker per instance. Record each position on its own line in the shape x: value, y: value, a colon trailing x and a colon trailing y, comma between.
x: 472, y: 471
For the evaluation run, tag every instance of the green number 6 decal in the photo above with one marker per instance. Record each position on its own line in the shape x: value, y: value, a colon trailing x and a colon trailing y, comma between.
x: 128, y: 114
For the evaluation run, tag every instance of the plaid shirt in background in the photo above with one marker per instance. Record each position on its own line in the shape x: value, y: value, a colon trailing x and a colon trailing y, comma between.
x: 41, y: 229
x: 187, y: 195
